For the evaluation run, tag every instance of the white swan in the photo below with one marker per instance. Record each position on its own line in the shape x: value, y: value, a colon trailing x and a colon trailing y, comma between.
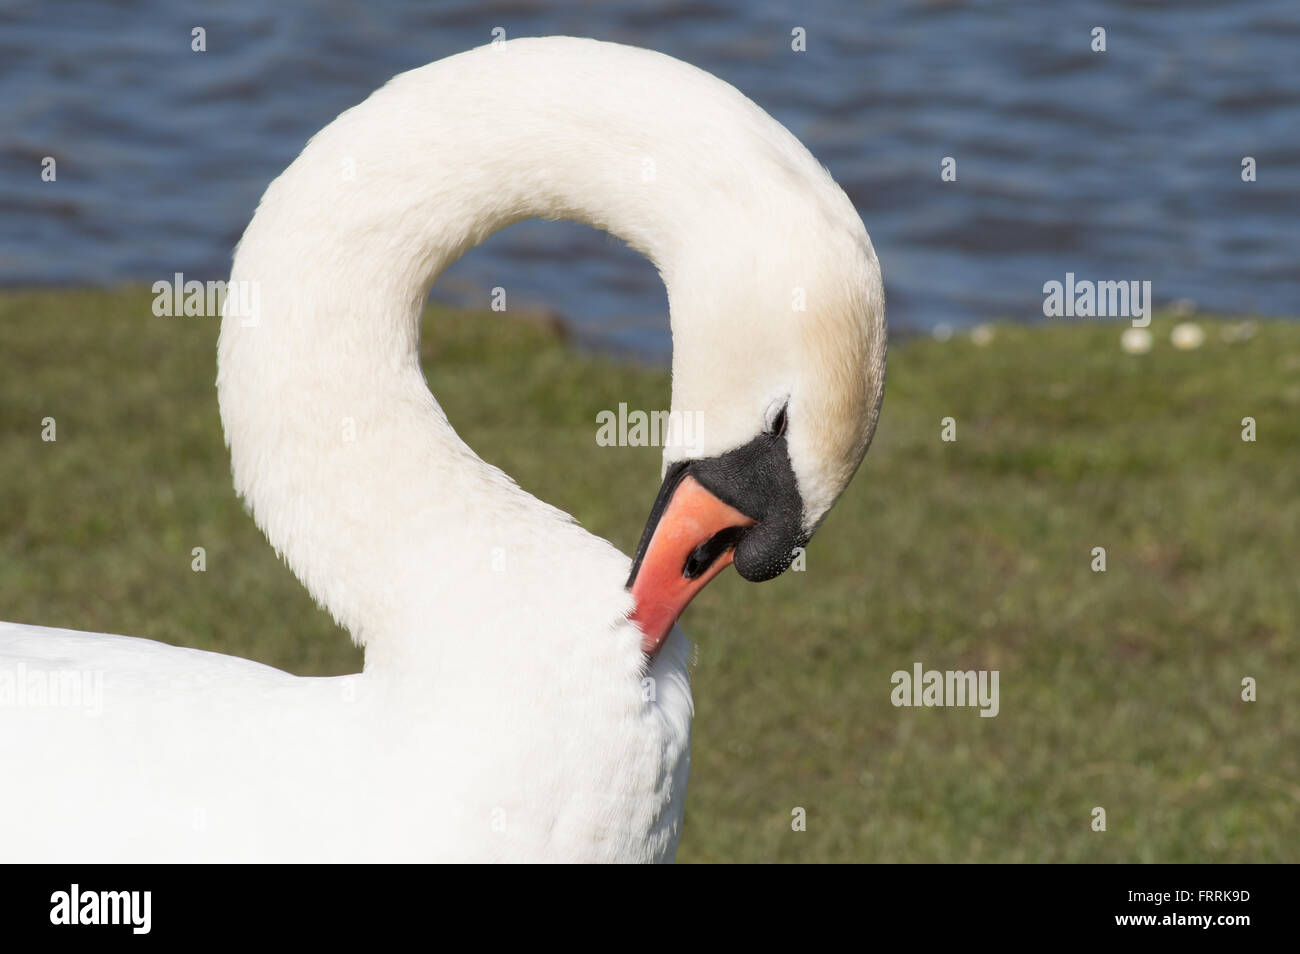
x: 504, y: 711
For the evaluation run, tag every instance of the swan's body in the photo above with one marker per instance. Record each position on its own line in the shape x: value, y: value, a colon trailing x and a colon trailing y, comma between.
x: 504, y: 710
x: 181, y: 755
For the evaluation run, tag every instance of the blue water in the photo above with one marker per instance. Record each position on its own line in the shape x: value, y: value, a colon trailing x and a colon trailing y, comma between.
x: 1115, y: 165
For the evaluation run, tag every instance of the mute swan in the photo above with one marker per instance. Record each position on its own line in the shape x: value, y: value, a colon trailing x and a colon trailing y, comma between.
x: 525, y: 693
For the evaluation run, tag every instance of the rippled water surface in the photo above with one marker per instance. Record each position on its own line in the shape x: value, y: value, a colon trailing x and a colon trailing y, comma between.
x: 1115, y: 165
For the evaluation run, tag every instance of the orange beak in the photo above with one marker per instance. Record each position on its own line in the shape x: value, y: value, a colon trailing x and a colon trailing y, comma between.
x: 692, y: 542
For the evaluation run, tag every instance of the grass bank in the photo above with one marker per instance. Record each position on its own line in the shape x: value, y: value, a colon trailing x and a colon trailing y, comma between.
x: 1119, y: 689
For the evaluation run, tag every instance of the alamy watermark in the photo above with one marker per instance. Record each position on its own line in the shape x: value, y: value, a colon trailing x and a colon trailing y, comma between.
x: 75, y: 906
x: 1088, y: 299
x: 933, y: 687
x: 212, y: 299
x: 636, y: 428
x: 27, y: 687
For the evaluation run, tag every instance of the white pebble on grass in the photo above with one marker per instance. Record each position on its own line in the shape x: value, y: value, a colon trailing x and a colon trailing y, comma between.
x: 1135, y: 341
x: 1187, y: 336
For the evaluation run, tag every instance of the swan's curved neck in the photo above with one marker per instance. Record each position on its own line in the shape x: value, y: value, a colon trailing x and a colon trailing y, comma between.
x: 347, y: 461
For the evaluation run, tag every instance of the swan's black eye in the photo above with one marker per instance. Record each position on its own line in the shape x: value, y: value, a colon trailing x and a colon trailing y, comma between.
x: 777, y: 427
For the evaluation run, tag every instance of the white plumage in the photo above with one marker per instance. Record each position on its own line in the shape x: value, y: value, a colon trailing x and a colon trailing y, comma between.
x: 505, y: 711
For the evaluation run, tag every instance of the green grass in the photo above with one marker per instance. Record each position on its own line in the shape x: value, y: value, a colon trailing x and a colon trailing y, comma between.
x: 1118, y: 689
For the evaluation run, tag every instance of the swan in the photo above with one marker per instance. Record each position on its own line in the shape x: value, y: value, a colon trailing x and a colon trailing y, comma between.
x: 524, y: 695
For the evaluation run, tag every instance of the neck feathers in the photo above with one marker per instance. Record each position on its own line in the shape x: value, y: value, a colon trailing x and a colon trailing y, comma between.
x: 348, y: 463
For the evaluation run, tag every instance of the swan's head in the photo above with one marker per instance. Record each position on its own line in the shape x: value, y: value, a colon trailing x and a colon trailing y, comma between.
x: 776, y: 394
